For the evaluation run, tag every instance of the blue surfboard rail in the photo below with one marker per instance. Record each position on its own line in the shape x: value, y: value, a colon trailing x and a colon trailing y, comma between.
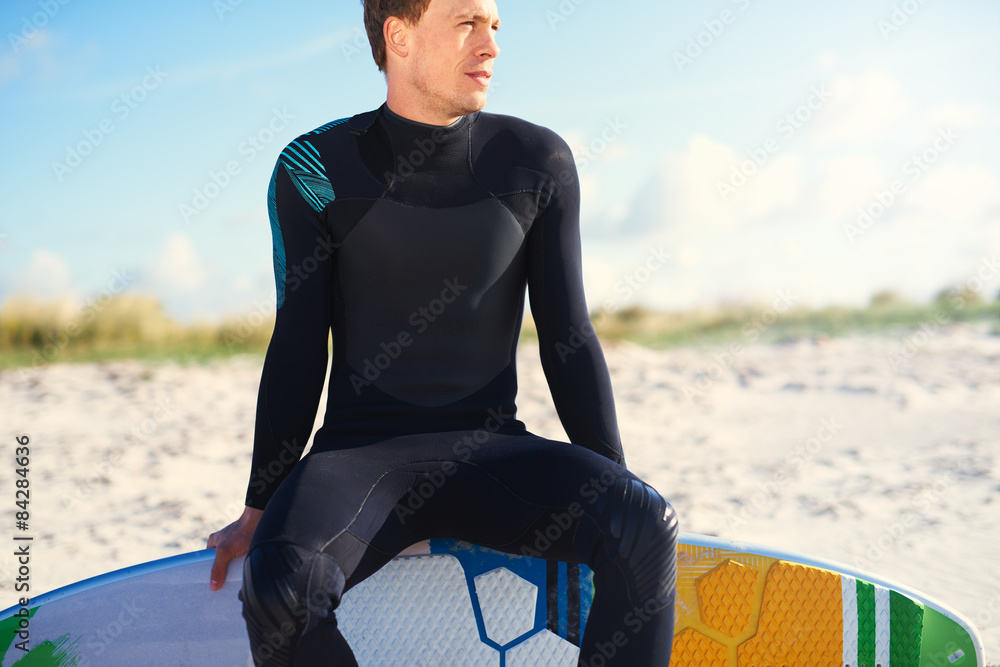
x: 115, y: 575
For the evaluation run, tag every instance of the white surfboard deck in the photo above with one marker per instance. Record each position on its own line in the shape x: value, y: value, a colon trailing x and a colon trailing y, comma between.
x: 445, y: 602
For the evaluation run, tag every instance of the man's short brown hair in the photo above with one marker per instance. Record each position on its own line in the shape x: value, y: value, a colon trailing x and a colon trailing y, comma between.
x: 376, y: 13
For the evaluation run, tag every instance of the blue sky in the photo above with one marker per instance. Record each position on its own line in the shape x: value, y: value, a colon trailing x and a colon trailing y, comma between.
x: 118, y: 115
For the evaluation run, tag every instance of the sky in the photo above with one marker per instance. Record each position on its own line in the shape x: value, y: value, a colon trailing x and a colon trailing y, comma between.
x: 732, y: 150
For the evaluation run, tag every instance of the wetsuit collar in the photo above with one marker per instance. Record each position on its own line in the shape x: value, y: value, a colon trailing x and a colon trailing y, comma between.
x: 442, y: 131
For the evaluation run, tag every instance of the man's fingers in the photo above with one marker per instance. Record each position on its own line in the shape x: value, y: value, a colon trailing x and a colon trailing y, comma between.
x: 218, y: 576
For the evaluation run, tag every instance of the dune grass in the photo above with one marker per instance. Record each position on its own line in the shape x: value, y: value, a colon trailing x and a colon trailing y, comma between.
x: 124, y: 327
x: 133, y: 326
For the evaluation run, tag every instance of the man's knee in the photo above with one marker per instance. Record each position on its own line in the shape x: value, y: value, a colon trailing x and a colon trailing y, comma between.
x: 642, y: 532
x: 636, y: 513
x: 287, y: 590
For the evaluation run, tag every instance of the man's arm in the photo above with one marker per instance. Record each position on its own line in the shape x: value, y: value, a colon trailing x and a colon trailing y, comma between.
x: 295, y: 365
x: 570, y: 352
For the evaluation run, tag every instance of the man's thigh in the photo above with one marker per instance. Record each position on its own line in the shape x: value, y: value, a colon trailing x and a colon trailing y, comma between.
x: 513, y: 493
x: 518, y: 494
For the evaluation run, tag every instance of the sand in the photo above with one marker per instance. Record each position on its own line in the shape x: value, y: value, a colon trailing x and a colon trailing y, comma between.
x: 878, y: 451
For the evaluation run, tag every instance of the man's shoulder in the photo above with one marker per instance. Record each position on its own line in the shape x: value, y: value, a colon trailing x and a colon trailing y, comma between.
x: 520, y: 129
x: 329, y: 130
x: 307, y: 151
x: 529, y: 144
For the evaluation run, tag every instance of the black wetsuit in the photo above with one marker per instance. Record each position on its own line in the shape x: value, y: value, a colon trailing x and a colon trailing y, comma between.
x: 414, y: 243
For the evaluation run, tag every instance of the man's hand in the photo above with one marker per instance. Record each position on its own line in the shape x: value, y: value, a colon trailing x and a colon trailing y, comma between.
x: 231, y: 542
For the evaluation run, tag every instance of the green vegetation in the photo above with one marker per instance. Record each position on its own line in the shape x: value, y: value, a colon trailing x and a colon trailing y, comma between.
x: 123, y: 327
x: 135, y: 326
x: 749, y: 323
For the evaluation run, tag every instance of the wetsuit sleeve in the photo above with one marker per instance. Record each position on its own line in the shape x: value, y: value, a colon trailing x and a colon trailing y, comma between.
x: 295, y: 365
x: 571, y: 355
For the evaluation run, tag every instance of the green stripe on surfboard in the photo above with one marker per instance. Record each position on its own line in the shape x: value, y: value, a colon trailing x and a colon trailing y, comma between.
x: 905, y: 627
x: 866, y: 623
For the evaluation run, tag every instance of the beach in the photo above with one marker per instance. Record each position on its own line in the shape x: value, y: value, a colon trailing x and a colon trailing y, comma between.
x: 880, y: 451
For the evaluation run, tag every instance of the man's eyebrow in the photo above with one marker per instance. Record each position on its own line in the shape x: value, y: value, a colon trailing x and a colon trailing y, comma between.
x: 475, y: 16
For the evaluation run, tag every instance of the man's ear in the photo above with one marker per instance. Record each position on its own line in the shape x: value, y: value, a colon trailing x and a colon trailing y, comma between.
x: 396, y: 34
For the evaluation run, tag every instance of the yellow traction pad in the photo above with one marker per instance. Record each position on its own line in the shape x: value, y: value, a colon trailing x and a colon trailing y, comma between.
x: 745, y: 610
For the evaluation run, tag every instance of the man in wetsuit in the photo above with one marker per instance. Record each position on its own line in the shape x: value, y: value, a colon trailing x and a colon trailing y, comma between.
x: 412, y: 231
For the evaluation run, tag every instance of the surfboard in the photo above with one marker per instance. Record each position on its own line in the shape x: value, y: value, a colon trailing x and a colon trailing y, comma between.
x: 447, y: 602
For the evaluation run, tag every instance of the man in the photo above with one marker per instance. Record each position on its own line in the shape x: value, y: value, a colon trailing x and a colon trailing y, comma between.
x: 412, y: 231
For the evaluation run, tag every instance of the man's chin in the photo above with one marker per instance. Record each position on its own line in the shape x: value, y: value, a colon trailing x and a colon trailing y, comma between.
x: 471, y: 103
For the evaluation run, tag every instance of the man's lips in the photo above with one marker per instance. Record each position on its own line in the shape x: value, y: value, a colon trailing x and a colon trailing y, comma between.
x: 481, y: 77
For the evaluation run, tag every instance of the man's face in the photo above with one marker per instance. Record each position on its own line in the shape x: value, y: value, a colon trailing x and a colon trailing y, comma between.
x: 453, y: 48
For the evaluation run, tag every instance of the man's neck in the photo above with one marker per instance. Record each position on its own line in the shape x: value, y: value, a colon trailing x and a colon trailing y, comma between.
x: 411, y: 109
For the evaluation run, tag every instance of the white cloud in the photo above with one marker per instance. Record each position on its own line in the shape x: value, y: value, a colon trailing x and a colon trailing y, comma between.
x: 955, y: 114
x: 178, y: 268
x: 599, y: 277
x: 851, y: 181
x: 769, y: 235
x: 777, y: 185
x: 47, y: 276
x: 956, y: 193
x: 590, y: 192
x: 862, y: 110
x: 709, y: 187
x: 36, y: 48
